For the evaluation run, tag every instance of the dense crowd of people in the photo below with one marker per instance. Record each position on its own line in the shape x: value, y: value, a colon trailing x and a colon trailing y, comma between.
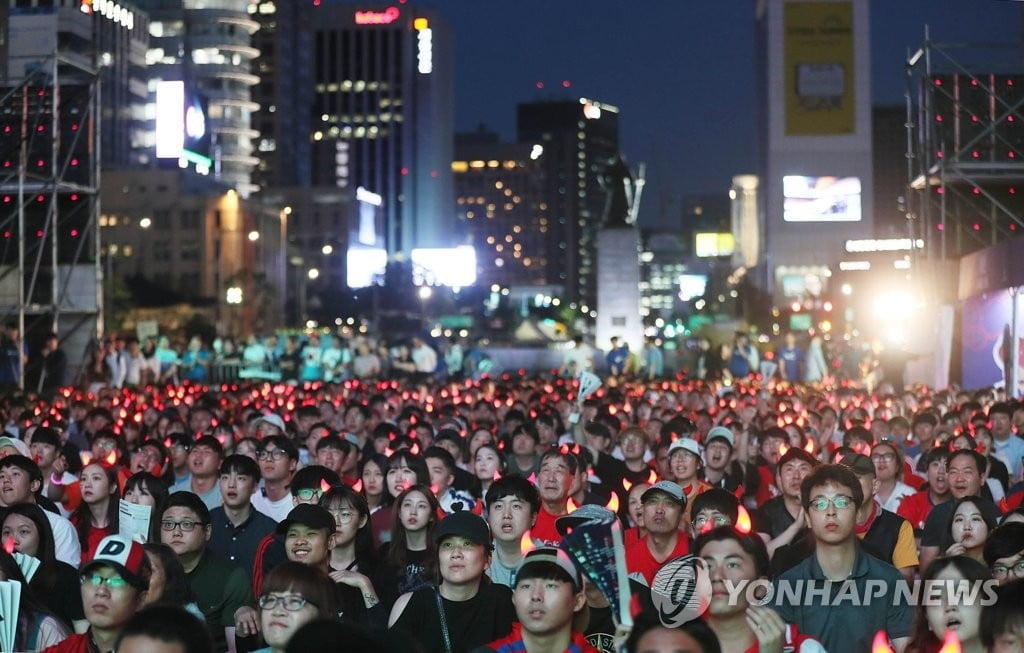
x: 417, y: 513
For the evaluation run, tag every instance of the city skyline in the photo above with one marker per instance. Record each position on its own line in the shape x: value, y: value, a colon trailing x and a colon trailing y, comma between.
x: 651, y: 91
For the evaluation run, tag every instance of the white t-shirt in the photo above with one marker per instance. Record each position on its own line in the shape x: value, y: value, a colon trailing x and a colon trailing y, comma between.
x: 65, y: 540
x: 276, y: 510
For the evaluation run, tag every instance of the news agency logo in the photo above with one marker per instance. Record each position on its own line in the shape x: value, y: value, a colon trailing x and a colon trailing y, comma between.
x: 681, y: 590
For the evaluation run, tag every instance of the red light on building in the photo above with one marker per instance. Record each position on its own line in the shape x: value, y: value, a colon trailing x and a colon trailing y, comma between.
x: 566, y: 83
x: 540, y: 84
x: 385, y: 17
x: 940, y: 226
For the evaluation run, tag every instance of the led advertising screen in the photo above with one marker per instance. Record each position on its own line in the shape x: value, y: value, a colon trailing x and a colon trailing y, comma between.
x: 365, y: 266
x: 444, y: 266
x: 821, y: 199
x: 182, y: 131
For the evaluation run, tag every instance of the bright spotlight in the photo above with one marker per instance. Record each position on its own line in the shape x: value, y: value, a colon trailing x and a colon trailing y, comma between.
x: 894, y: 305
x: 425, y: 292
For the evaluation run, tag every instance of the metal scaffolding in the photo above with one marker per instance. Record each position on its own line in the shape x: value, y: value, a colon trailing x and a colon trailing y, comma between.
x: 50, y: 273
x: 965, y: 146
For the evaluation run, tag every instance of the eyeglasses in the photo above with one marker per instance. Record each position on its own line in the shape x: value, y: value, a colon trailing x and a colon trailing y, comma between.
x: 718, y: 520
x: 308, y: 494
x: 883, y: 457
x: 1002, y: 571
x: 291, y: 603
x: 187, y: 525
x: 95, y: 580
x: 343, y: 516
x: 104, y: 444
x: 841, y: 502
x: 271, y: 454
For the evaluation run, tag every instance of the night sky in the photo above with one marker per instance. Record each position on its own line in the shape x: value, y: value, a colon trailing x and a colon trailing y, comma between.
x: 681, y: 72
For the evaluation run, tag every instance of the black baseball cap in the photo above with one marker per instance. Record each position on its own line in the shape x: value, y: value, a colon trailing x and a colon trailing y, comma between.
x: 308, y: 514
x: 464, y: 524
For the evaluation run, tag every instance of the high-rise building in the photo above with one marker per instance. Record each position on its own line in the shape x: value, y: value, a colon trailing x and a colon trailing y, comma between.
x: 361, y: 97
x: 502, y: 211
x: 580, y: 140
x: 208, y: 46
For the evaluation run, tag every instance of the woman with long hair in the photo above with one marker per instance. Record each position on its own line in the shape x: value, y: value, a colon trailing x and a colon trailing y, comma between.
x: 353, y: 561
x: 373, y: 470
x: 292, y: 595
x: 972, y: 520
x: 935, y: 618
x: 488, y: 466
x: 55, y: 583
x: 412, y: 554
x: 36, y: 627
x: 96, y: 517
x: 147, y: 490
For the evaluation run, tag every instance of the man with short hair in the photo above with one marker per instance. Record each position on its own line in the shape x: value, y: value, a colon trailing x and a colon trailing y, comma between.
x: 220, y: 586
x: 20, y: 482
x: 711, y: 509
x: 236, y: 527
x: 781, y: 519
x: 114, y: 587
x: 278, y: 458
x: 463, y: 612
x: 664, y: 504
x: 338, y: 455
x: 204, y: 466
x: 523, y: 459
x: 547, y: 595
x: 554, y: 482
x: 855, y: 594
x: 512, y: 505
x: 441, y: 466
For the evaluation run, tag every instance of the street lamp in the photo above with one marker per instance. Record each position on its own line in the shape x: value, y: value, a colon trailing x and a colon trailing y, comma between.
x: 233, y: 295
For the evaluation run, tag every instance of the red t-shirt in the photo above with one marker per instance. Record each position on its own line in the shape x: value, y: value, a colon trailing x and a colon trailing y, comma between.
x: 73, y: 644
x: 640, y: 560
x: 544, y: 532
x: 915, y: 509
x: 766, y: 488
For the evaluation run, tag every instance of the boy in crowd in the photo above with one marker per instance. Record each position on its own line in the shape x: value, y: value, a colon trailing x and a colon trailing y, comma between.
x: 336, y: 454
x: 512, y: 505
x: 236, y: 527
x: 20, y: 482
x: 278, y: 459
x: 220, y: 586
x: 114, y: 586
x: 204, y: 459
x: 840, y: 568
x: 548, y: 594
x: 441, y: 465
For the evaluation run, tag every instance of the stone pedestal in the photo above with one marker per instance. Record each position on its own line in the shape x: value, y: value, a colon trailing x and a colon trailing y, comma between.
x: 618, y: 288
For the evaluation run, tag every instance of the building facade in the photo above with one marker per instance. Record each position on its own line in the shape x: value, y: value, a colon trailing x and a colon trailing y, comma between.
x: 502, y: 211
x: 361, y: 97
x: 580, y: 140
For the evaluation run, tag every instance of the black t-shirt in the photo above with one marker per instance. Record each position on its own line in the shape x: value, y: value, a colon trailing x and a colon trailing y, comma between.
x: 413, y: 575
x: 484, y: 618
x: 773, y: 517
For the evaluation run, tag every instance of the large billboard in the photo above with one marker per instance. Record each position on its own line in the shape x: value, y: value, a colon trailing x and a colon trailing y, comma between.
x: 821, y: 199
x: 444, y: 266
x: 819, y: 68
x: 182, y: 131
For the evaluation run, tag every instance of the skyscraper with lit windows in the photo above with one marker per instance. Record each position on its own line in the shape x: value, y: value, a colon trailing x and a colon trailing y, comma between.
x: 580, y: 139
x: 360, y: 96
